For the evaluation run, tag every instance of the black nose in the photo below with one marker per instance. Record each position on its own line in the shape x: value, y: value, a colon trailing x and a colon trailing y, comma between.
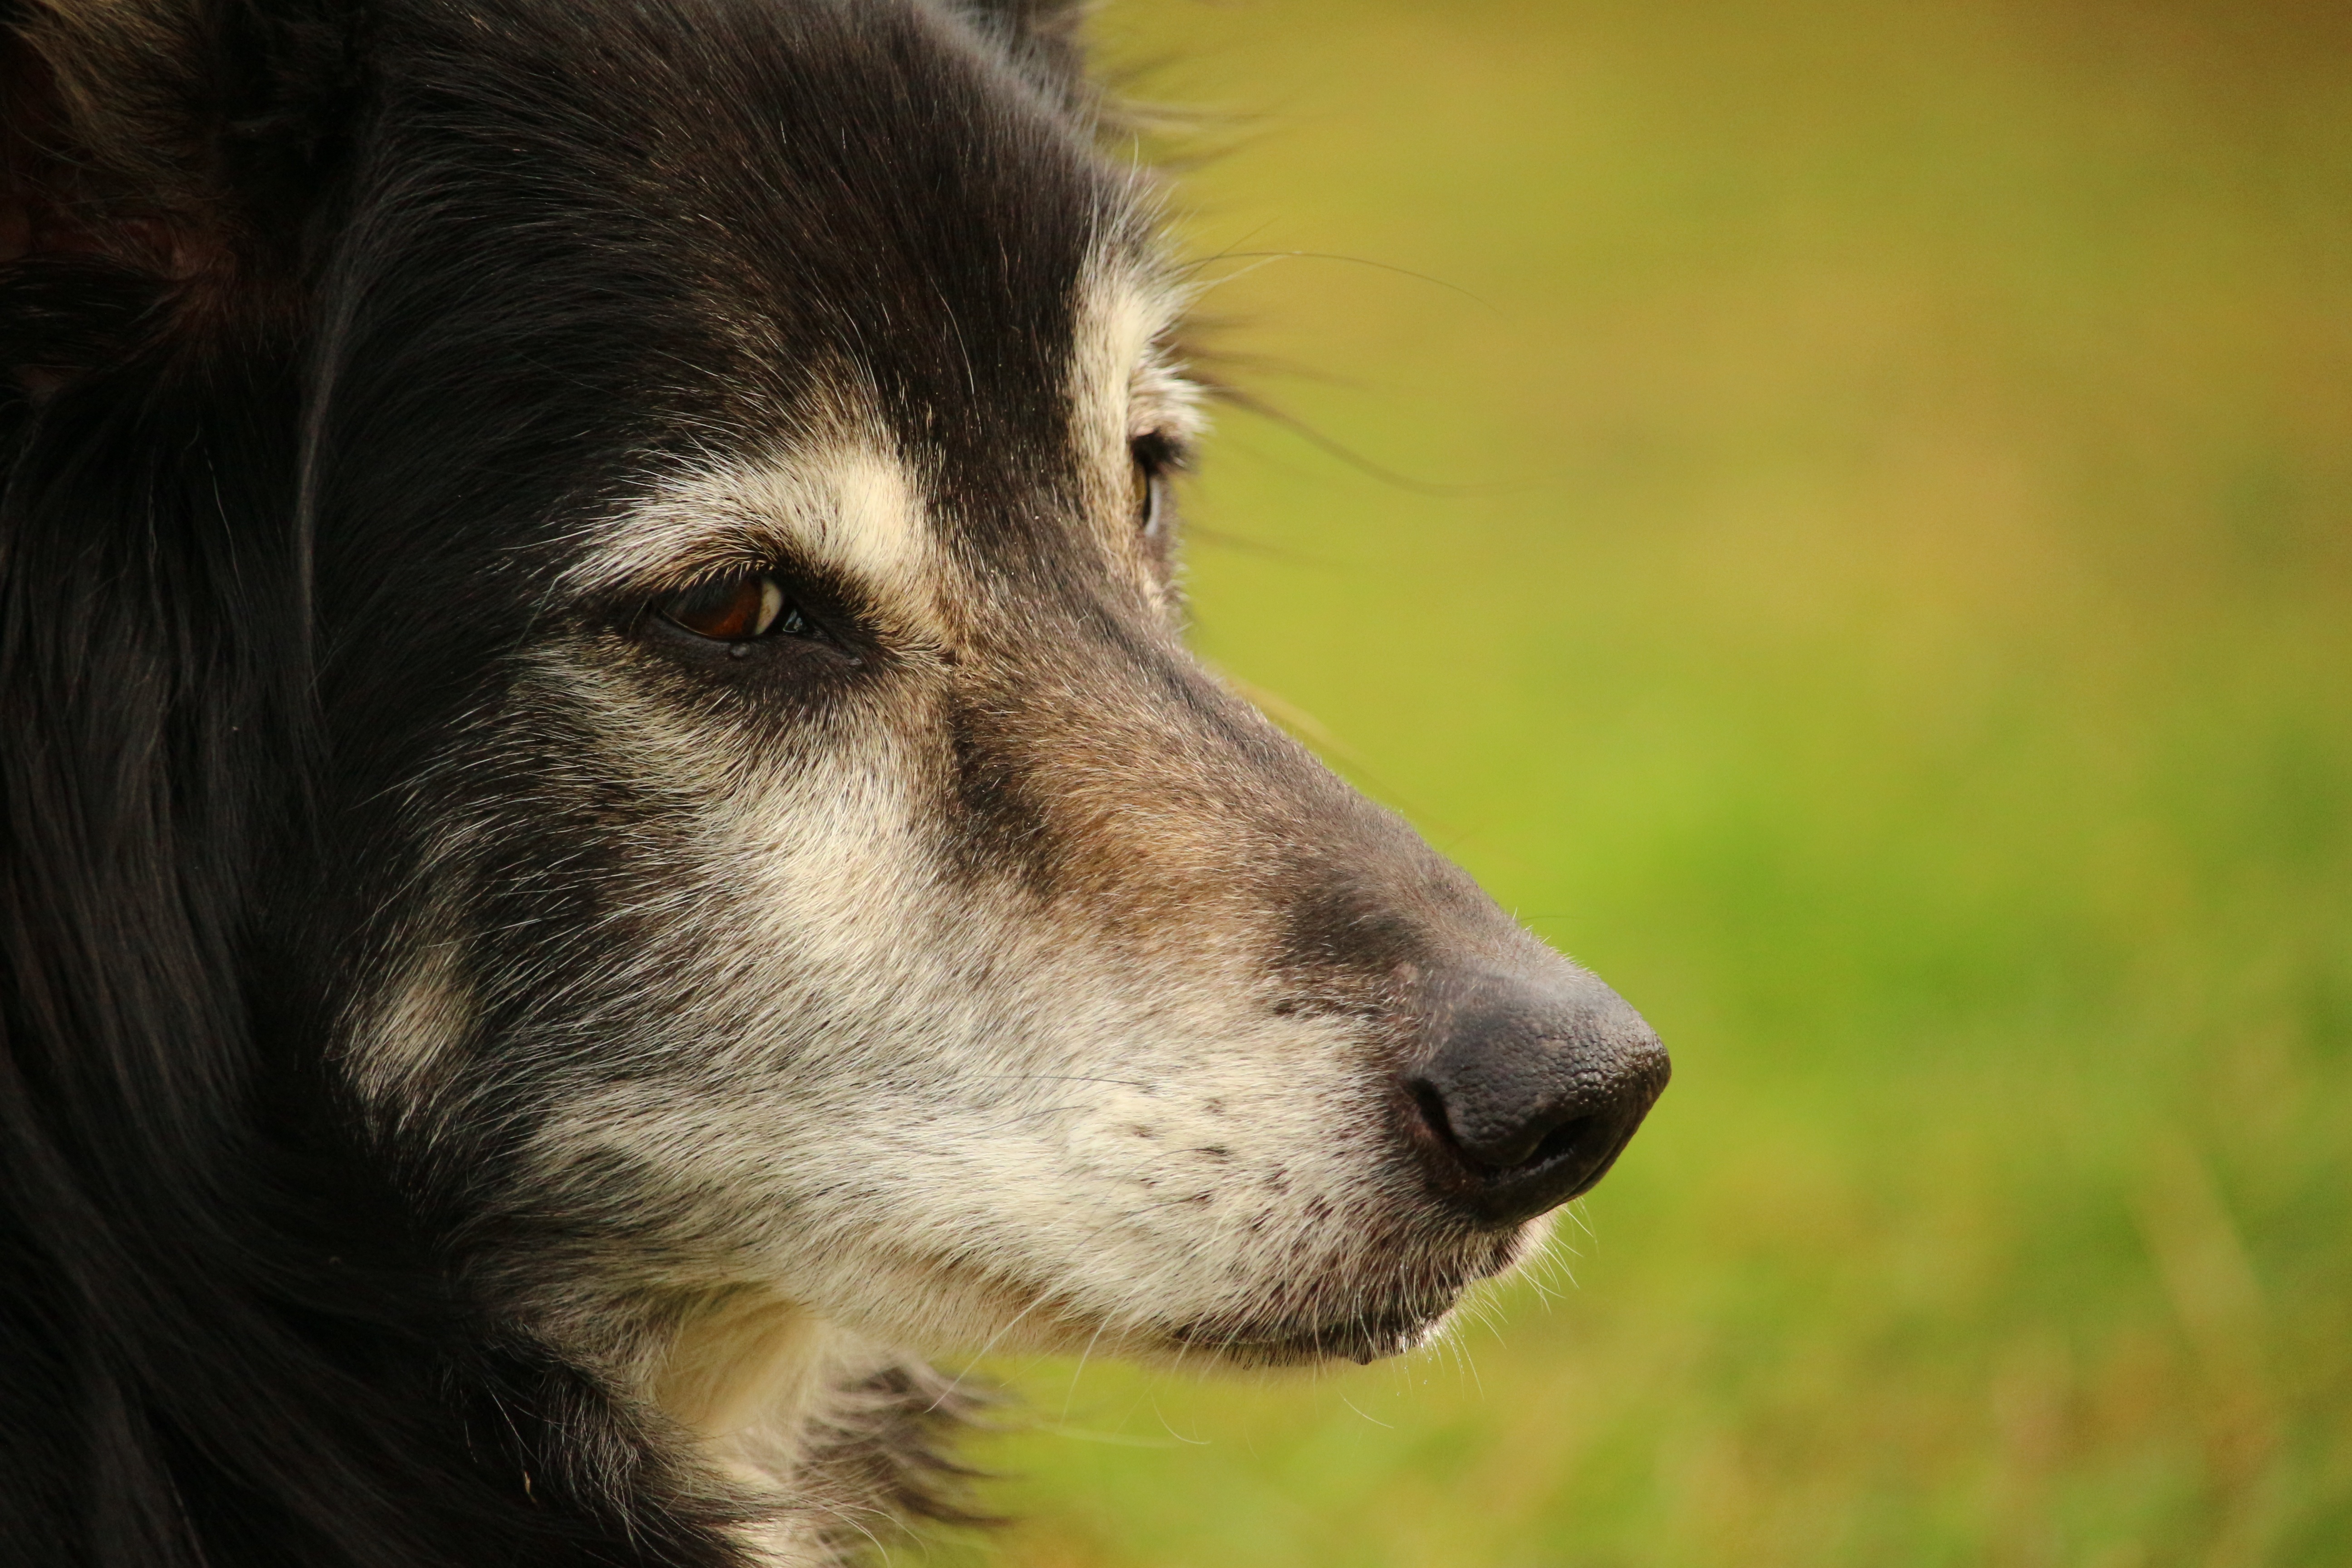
x: 1531, y: 1092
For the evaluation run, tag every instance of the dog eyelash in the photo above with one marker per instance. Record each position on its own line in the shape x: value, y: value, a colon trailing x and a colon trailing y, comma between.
x: 741, y: 608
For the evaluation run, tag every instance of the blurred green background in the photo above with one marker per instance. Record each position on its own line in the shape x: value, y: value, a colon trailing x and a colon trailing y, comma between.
x: 1899, y: 633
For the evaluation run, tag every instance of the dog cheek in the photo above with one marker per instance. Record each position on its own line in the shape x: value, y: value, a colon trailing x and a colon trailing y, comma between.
x: 864, y: 1066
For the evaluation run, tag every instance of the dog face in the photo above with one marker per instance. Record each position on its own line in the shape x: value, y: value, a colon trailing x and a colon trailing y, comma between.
x: 776, y: 859
x: 807, y: 867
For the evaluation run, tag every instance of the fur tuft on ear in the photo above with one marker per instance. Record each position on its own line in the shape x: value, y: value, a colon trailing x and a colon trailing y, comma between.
x: 165, y: 148
x: 1046, y: 33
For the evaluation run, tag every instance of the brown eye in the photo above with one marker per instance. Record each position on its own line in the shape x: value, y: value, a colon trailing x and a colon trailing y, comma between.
x: 1149, y: 458
x: 736, y: 609
x: 1143, y: 500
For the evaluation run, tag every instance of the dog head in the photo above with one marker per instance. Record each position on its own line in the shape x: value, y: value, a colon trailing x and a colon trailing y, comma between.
x: 766, y: 839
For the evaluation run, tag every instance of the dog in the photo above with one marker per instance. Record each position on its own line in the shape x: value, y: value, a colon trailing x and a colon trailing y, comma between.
x: 609, y: 835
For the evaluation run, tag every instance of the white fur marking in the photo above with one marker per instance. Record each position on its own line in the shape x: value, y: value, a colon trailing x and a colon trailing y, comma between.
x: 847, y: 505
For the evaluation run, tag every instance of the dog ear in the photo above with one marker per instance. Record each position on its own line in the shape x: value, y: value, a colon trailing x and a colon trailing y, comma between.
x: 158, y: 161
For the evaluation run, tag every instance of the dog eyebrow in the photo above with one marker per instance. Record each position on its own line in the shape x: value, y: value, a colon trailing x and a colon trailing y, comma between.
x: 853, y: 508
x: 1126, y: 370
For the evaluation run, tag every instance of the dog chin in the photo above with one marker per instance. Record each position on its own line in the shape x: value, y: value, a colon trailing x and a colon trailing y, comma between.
x: 1364, y: 1339
x: 1408, y: 1320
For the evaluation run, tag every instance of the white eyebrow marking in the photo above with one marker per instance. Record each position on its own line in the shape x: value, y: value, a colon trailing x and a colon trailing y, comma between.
x: 849, y: 505
x: 1124, y: 380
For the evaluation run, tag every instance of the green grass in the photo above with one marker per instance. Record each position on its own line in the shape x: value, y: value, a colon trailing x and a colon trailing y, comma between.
x: 1906, y: 645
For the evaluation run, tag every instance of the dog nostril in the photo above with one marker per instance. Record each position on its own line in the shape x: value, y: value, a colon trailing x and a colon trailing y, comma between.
x: 1562, y: 1140
x: 1432, y: 1106
x: 1522, y: 1155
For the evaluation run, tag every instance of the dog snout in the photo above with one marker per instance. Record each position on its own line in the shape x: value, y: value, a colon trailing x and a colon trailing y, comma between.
x: 1530, y: 1092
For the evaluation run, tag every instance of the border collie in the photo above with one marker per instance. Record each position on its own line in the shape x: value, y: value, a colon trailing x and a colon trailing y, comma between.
x: 609, y: 835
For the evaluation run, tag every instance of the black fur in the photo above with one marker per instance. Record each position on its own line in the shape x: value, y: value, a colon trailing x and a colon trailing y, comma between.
x: 320, y: 319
